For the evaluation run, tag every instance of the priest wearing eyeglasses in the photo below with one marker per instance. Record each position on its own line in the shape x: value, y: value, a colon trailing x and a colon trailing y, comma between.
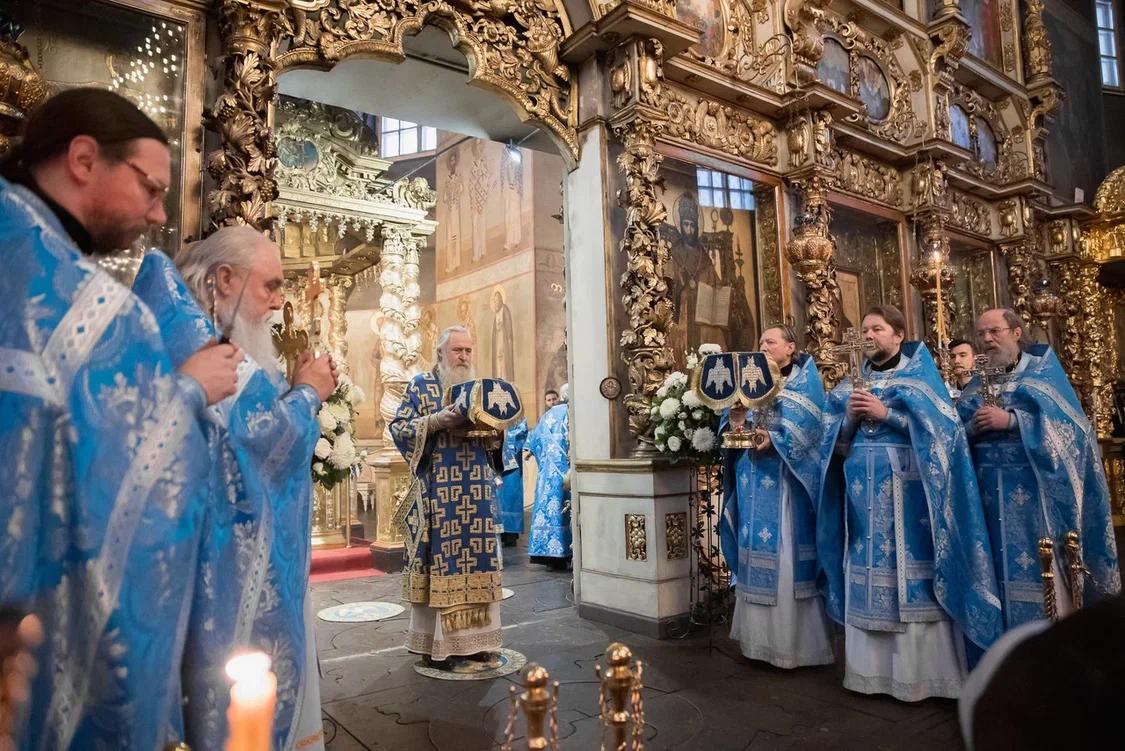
x: 1039, y: 471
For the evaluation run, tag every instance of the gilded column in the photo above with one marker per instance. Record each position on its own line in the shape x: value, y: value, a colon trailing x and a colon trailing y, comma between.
x: 1021, y: 267
x: 339, y: 287
x: 398, y: 280
x: 244, y: 164
x: 1094, y: 309
x: 1068, y: 272
x: 812, y: 251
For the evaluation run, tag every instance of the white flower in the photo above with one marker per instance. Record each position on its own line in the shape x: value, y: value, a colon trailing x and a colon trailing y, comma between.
x: 662, y: 392
x: 674, y: 444
x: 356, y: 395
x: 343, y: 454
x: 703, y: 440
x: 345, y: 440
x: 654, y: 411
x: 691, y: 400
x: 661, y: 431
x: 327, y: 420
x: 688, y: 433
x: 669, y: 407
x: 339, y: 411
x: 681, y: 426
x: 682, y: 415
x: 322, y: 449
x: 692, y: 361
x: 675, y: 379
x: 697, y: 414
x: 318, y: 467
x: 660, y: 446
x: 708, y: 348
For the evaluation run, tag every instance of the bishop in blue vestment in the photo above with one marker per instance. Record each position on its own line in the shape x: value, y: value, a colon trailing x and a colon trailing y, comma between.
x: 549, y: 443
x: 1039, y: 471
x: 105, y: 466
x: 768, y: 525
x: 901, y: 538
x: 510, y: 483
x: 253, y: 568
x: 452, y: 574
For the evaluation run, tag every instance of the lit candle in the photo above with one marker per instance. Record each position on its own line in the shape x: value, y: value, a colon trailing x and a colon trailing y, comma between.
x: 252, y: 697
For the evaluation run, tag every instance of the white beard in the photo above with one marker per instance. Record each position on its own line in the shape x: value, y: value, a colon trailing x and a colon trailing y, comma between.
x: 255, y: 338
x: 452, y: 375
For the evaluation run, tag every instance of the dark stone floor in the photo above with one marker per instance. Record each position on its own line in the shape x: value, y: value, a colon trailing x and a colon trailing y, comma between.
x: 699, y: 693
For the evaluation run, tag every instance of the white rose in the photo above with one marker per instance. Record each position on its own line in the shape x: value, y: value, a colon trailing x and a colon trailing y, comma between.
x: 669, y: 407
x: 322, y: 449
x: 318, y: 467
x: 345, y: 441
x: 688, y: 433
x: 682, y: 415
x: 674, y: 444
x: 709, y: 349
x: 681, y: 425
x: 662, y: 392
x: 703, y: 440
x: 692, y: 361
x: 654, y: 411
x: 339, y: 411
x: 327, y: 420
x: 697, y: 414
x: 356, y: 395
x: 691, y: 400
x: 675, y: 379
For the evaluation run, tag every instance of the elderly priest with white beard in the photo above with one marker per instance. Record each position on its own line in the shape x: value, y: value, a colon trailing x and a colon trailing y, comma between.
x: 252, y: 576
x: 452, y: 576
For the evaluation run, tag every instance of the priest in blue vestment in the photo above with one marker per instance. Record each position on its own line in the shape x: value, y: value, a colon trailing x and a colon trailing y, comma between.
x: 768, y: 525
x: 509, y: 485
x: 549, y: 542
x: 902, y: 543
x: 1039, y: 471
x: 452, y: 574
x: 253, y: 568
x: 105, y: 466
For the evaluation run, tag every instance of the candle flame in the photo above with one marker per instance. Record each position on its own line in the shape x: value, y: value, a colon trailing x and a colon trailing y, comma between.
x: 247, y: 667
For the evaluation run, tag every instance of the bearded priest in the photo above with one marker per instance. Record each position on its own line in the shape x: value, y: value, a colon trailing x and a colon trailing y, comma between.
x: 452, y: 576
x: 253, y: 566
x: 901, y: 537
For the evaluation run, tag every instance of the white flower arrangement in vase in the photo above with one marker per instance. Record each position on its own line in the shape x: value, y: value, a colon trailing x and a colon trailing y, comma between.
x: 684, y: 427
x: 335, y: 455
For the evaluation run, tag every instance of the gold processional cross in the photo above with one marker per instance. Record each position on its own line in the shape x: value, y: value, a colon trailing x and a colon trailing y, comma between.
x: 290, y: 341
x: 988, y: 395
x: 854, y: 347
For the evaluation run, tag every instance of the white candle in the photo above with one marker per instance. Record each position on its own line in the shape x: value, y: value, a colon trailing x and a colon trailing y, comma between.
x: 252, y: 698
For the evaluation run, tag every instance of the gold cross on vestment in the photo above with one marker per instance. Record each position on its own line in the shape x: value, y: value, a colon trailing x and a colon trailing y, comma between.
x: 988, y: 395
x: 854, y: 346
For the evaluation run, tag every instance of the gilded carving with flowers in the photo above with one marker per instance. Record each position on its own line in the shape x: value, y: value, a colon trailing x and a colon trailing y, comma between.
x: 715, y: 125
x: 512, y: 45
x: 868, y: 178
x: 969, y: 214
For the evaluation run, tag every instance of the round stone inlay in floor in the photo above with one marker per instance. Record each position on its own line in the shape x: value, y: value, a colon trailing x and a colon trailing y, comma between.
x: 510, y: 662
x: 360, y: 612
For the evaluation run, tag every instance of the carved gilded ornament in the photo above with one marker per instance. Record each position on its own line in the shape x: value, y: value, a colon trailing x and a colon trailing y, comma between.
x: 714, y: 125
x: 928, y: 186
x: 950, y: 42
x: 676, y: 535
x: 1036, y: 43
x: 1008, y: 49
x: 512, y: 46
x: 868, y: 178
x: 969, y: 214
x: 809, y: 139
x: 741, y: 56
x: 636, y: 538
x: 1009, y: 218
x: 769, y: 257
x: 934, y: 263
x: 21, y: 88
x: 901, y: 123
x: 644, y: 284
x: 805, y: 21
x: 243, y: 166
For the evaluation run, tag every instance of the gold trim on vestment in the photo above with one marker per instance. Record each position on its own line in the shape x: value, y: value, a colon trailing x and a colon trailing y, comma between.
x: 464, y: 617
x: 450, y: 590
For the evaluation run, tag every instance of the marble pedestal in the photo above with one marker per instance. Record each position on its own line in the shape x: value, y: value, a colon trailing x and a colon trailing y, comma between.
x: 633, y: 566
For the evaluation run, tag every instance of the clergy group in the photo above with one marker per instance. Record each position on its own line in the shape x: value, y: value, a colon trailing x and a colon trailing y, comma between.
x: 923, y: 517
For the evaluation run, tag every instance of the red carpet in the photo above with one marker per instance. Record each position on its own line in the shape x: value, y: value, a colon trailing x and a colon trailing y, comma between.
x: 337, y: 564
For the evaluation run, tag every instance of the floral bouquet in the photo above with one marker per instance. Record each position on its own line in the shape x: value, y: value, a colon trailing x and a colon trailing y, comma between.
x: 685, y: 428
x: 335, y: 455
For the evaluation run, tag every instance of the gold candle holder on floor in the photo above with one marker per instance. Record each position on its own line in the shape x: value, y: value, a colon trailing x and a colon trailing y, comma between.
x: 540, y: 705
x: 620, y: 700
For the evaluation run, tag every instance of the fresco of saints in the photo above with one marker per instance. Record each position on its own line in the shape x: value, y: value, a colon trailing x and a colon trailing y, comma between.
x: 503, y: 353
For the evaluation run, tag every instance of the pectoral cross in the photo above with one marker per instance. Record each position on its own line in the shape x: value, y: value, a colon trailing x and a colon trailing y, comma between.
x: 290, y: 341
x: 854, y: 346
x: 988, y: 395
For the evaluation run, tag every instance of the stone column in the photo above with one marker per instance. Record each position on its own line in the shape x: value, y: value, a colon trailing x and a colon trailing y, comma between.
x: 398, y: 280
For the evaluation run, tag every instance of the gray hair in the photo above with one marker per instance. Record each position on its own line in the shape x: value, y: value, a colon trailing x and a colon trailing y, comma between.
x: 234, y: 246
x: 443, y: 338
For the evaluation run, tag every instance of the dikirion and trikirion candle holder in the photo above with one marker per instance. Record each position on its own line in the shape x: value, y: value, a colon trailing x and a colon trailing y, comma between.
x: 724, y: 379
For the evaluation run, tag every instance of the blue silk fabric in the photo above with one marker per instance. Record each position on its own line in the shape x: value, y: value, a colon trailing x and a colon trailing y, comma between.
x: 104, y: 487
x: 549, y: 443
x: 754, y: 484
x: 510, y: 493
x: 1042, y: 479
x: 452, y: 560
x: 254, y: 562
x: 905, y: 500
